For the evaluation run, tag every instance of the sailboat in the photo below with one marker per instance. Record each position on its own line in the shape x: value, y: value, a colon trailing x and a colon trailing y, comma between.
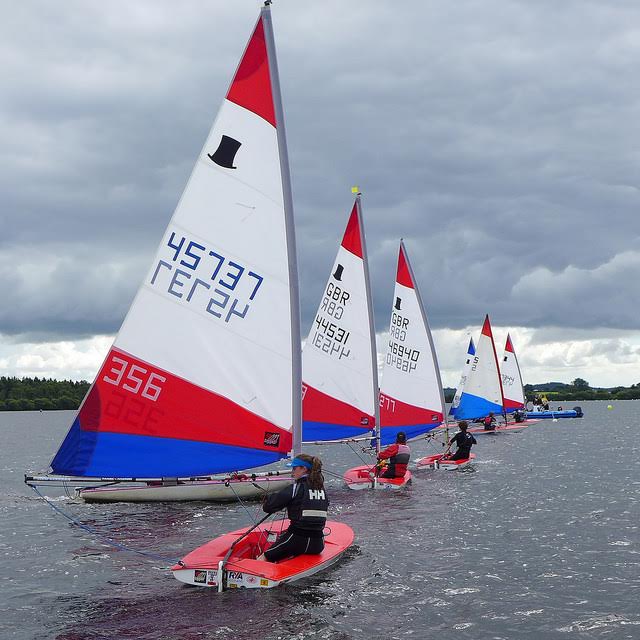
x: 483, y: 391
x: 338, y: 364
x: 204, y: 375
x: 471, y: 351
x: 231, y: 560
x: 411, y: 397
x: 513, y: 389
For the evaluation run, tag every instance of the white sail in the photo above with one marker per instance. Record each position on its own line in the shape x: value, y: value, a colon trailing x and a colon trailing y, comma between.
x: 338, y: 361
x: 483, y: 388
x: 204, y: 375
x: 511, y: 379
x: 471, y: 351
x: 411, y: 398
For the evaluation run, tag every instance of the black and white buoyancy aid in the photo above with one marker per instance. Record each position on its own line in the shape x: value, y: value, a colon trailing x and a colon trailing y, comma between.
x: 308, y: 509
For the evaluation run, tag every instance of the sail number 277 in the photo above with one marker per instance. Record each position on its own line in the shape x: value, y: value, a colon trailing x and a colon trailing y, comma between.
x: 137, y: 379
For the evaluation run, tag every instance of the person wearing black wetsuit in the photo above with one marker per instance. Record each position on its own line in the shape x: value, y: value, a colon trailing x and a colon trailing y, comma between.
x: 464, y: 442
x: 306, y: 503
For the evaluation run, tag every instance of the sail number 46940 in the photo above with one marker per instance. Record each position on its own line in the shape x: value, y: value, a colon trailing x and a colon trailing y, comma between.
x: 135, y: 379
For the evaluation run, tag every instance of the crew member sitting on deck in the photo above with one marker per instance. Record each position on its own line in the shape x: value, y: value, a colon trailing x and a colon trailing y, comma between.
x: 464, y: 441
x: 306, y: 502
x: 518, y: 416
x: 398, y: 455
x: 490, y: 422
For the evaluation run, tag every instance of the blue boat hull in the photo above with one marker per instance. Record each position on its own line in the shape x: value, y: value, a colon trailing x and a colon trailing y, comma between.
x: 542, y: 415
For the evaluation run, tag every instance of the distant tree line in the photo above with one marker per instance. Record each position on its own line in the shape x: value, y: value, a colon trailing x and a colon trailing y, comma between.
x: 580, y: 389
x: 32, y: 394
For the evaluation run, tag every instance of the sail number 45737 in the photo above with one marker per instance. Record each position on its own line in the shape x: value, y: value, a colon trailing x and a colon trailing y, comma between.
x: 134, y: 378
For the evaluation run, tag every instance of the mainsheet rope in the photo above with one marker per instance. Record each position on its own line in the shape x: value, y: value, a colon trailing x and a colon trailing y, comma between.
x: 102, y: 537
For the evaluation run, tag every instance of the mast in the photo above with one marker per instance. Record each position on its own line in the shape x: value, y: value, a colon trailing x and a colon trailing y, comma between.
x: 372, y: 330
x: 515, y: 357
x: 495, y: 356
x: 294, y: 299
x: 426, y: 324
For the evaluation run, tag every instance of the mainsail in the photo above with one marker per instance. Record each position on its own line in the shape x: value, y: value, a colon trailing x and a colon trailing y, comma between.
x: 483, y: 388
x: 204, y: 374
x: 471, y: 351
x: 411, y: 397
x: 338, y: 363
x: 511, y: 379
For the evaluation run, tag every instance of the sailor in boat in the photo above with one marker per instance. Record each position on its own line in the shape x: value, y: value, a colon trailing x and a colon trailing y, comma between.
x: 490, y: 422
x: 464, y: 441
x: 518, y: 416
x: 398, y: 455
x: 306, y: 503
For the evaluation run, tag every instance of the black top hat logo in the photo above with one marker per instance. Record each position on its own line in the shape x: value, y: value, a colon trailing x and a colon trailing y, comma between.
x: 338, y: 274
x: 225, y: 154
x: 397, y: 304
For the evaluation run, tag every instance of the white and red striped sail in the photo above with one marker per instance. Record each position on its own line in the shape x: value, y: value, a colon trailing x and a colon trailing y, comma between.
x: 202, y: 375
x: 338, y: 367
x: 511, y: 379
x: 411, y: 398
x: 483, y: 388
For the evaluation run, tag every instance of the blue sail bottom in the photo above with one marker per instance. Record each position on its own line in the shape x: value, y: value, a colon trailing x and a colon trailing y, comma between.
x: 117, y: 455
x: 324, y: 431
x: 388, y: 434
x: 472, y: 407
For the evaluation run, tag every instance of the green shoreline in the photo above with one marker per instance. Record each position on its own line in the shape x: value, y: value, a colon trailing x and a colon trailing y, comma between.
x: 33, y: 394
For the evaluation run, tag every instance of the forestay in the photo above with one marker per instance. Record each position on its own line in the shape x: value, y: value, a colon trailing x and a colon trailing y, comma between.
x: 471, y: 351
x: 203, y: 376
x: 483, y: 388
x: 338, y: 366
x: 511, y: 379
x: 411, y: 398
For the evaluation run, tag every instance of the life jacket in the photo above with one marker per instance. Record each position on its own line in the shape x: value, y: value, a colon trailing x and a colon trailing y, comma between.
x: 464, y: 441
x: 308, y: 509
x: 398, y: 463
x: 488, y: 423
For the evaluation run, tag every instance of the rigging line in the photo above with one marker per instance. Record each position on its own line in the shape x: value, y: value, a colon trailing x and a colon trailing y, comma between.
x: 242, y: 504
x: 357, y: 454
x: 102, y: 537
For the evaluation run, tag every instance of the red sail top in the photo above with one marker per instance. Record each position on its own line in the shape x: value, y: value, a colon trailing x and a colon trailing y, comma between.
x: 251, y: 86
x: 509, y: 346
x: 486, y: 328
x: 352, y: 240
x: 404, y: 276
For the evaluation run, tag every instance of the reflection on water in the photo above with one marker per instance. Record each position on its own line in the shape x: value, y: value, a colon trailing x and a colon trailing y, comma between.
x: 541, y: 540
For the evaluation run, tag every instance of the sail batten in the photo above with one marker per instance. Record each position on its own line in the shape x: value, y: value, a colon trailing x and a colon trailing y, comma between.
x: 204, y: 374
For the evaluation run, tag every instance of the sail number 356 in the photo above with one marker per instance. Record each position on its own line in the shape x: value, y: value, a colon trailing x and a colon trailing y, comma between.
x: 135, y: 379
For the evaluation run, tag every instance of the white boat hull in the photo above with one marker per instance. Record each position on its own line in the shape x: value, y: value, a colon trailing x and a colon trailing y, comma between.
x: 213, y: 490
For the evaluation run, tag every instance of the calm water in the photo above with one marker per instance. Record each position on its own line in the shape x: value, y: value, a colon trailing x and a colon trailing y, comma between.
x: 541, y: 541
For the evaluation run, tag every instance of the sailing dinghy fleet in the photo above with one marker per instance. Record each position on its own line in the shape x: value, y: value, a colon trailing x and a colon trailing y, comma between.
x: 206, y: 382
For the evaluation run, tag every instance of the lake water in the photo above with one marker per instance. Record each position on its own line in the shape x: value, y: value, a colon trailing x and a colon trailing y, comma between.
x: 541, y: 541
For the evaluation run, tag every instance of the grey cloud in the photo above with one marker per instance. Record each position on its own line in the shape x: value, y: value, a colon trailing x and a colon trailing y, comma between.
x: 498, y: 138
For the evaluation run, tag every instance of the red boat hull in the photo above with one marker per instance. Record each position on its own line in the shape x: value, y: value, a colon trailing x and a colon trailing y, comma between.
x: 364, y: 477
x: 202, y: 568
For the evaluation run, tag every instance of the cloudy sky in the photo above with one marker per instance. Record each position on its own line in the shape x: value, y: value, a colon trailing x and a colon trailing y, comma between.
x: 500, y: 138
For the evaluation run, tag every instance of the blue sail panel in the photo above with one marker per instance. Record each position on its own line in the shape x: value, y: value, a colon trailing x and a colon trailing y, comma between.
x: 472, y: 407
